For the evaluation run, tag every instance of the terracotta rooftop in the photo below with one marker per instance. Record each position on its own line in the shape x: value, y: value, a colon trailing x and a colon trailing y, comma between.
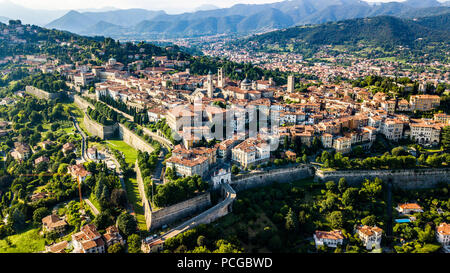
x: 444, y: 229
x: 330, y: 235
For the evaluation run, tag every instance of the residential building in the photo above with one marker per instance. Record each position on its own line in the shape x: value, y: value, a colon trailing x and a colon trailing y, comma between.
x: 328, y: 238
x: 392, y: 129
x: 425, y: 131
x: 53, y: 223
x: 327, y: 140
x: 424, y: 102
x: 443, y: 236
x: 21, y: 151
x: 92, y: 153
x: 251, y: 151
x: 388, y: 106
x: 88, y: 240
x: 442, y: 118
x: 188, y: 164
x: 41, y: 159
x: 152, y: 246
x: 370, y: 236
x: 343, y: 145
x: 68, y: 147
x: 78, y: 172
x: 60, y: 247
x: 409, y: 208
x: 112, y: 236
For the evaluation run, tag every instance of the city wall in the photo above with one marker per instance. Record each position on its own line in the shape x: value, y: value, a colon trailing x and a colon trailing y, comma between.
x: 164, y: 216
x: 97, y: 129
x: 404, y: 179
x: 168, y: 215
x: 41, y: 94
x: 82, y: 103
x: 260, y: 179
x: 134, y: 140
x: 145, y: 202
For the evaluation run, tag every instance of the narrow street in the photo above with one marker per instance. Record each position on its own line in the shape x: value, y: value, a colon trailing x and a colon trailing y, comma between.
x: 93, y: 208
x: 83, y: 137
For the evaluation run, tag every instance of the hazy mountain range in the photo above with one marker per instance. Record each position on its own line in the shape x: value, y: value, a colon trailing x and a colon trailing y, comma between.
x: 239, y: 19
x: 379, y: 31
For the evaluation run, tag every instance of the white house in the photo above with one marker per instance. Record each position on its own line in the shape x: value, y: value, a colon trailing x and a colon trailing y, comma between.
x: 251, y: 151
x: 328, y: 238
x: 443, y: 236
x: 409, y: 208
x: 370, y: 236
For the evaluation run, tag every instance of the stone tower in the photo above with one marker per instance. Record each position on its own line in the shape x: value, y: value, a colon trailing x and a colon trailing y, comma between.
x: 220, y: 78
x: 290, y: 83
x: 210, y: 86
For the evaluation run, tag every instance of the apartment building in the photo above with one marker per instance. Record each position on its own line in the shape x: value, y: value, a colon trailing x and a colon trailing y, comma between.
x: 187, y: 162
x: 251, y: 151
x: 342, y: 145
x: 392, y: 129
x: 425, y: 131
x: 424, y: 102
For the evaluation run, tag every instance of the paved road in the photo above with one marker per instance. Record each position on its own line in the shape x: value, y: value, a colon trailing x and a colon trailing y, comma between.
x: 122, y: 181
x: 158, y: 172
x: 83, y: 137
x: 93, y: 208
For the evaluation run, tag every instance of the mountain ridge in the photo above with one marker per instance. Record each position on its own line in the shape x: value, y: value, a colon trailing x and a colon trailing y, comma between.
x: 379, y: 31
x: 238, y: 19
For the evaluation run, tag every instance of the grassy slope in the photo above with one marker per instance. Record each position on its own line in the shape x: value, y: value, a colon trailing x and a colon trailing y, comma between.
x: 25, y: 242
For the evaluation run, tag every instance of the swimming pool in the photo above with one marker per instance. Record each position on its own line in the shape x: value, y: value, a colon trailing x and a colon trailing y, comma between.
x: 407, y: 220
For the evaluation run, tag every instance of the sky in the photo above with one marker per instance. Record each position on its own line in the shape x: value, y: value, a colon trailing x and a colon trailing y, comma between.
x: 168, y: 5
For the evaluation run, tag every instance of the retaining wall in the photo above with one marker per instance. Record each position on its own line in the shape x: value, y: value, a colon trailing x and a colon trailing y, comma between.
x: 145, y: 202
x: 82, y: 103
x: 41, y: 94
x: 97, y: 129
x: 260, y: 179
x: 164, y: 216
x: 168, y: 215
x: 405, y: 179
x: 132, y: 139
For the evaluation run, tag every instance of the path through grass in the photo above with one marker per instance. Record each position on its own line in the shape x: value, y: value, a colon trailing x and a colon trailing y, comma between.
x: 131, y: 183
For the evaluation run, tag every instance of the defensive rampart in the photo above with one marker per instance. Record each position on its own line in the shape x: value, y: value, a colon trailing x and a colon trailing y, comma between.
x: 282, y: 175
x: 156, y: 218
x: 41, y: 94
x: 97, y: 129
x: 405, y: 179
x: 134, y: 140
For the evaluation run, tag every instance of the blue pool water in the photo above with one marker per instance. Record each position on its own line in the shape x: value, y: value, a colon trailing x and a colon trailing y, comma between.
x: 403, y: 220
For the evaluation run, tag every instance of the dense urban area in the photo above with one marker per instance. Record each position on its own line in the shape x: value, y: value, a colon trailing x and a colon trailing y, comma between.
x: 218, y: 144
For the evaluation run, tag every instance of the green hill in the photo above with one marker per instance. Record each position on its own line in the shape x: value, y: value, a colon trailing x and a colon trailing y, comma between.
x: 382, y: 30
